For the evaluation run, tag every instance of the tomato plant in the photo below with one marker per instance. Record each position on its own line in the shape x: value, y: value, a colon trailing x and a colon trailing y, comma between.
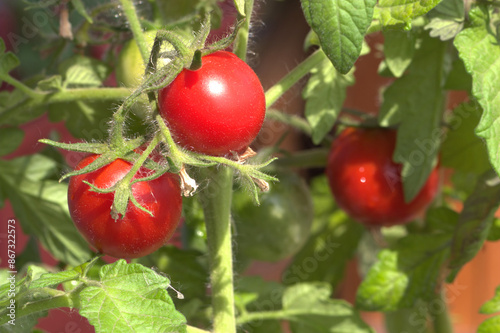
x: 138, y: 232
x: 367, y: 184
x: 362, y: 99
x: 217, y: 109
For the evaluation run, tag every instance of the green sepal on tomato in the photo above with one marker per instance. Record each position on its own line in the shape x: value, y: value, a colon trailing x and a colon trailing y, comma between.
x: 366, y: 183
x: 280, y: 226
x: 137, y: 233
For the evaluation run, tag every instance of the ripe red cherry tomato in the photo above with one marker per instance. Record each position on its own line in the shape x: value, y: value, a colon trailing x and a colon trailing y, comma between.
x: 138, y: 233
x: 217, y: 109
x: 366, y: 183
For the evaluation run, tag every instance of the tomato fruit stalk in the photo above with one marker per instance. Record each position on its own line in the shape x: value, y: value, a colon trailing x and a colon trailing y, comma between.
x: 215, y: 110
x: 137, y: 233
x: 366, y: 183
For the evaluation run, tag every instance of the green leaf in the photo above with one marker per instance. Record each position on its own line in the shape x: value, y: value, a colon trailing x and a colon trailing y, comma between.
x: 240, y: 7
x: 325, y: 94
x: 446, y: 19
x: 462, y: 150
x: 325, y: 255
x: 458, y: 77
x: 130, y: 297
x: 478, y: 48
x: 10, y: 139
x: 394, y: 12
x: 52, y: 83
x: 494, y: 233
x: 8, y: 61
x: 310, y: 309
x: 41, y: 207
x: 54, y: 279
x: 183, y: 267
x: 84, y: 119
x: 80, y: 71
x: 340, y: 26
x: 416, y: 102
x: 441, y: 219
x: 404, y: 274
x: 490, y: 325
x: 492, y: 305
x: 80, y: 8
x: 474, y: 222
x: 399, y: 47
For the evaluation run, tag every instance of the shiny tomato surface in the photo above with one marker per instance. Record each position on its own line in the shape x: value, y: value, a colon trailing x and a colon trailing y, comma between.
x: 217, y: 109
x: 366, y: 183
x: 137, y: 233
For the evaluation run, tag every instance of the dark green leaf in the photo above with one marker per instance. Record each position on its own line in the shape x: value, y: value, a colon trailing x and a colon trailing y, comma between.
x: 474, y: 222
x: 310, y: 309
x: 126, y: 293
x: 86, y: 120
x: 462, y: 150
x: 399, y: 47
x: 494, y: 233
x: 184, y: 268
x: 395, y: 12
x: 331, y: 246
x: 41, y: 207
x: 458, y: 78
x: 404, y: 274
x: 441, y: 219
x: 478, y: 48
x: 10, y: 139
x: 325, y: 94
x: 415, y: 102
x: 341, y: 27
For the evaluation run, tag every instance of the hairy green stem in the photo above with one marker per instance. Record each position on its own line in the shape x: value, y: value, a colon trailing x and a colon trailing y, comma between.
x: 276, y: 91
x: 440, y: 318
x: 61, y: 300
x: 135, y: 25
x: 241, y: 42
x: 19, y: 85
x: 216, y: 202
x: 295, y: 121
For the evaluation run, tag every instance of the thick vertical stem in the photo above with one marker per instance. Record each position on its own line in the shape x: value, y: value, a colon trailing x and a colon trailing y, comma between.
x: 135, y: 27
x: 441, y: 321
x: 241, y: 42
x: 216, y: 201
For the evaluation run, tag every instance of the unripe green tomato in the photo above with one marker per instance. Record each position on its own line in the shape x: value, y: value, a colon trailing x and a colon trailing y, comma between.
x: 130, y: 67
x: 280, y: 226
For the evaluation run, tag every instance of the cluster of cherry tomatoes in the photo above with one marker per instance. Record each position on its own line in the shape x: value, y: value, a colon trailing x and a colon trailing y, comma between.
x: 219, y: 110
x: 216, y: 110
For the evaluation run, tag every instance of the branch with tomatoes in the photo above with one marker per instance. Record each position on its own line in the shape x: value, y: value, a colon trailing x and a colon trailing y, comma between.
x: 174, y: 201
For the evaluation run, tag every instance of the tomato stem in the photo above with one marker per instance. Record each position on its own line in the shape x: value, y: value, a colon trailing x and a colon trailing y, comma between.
x: 276, y: 91
x: 241, y: 42
x: 135, y: 25
x: 440, y: 317
x: 216, y: 202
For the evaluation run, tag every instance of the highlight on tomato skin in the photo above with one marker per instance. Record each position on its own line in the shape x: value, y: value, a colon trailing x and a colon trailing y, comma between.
x: 136, y: 234
x: 216, y: 110
x: 366, y: 183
